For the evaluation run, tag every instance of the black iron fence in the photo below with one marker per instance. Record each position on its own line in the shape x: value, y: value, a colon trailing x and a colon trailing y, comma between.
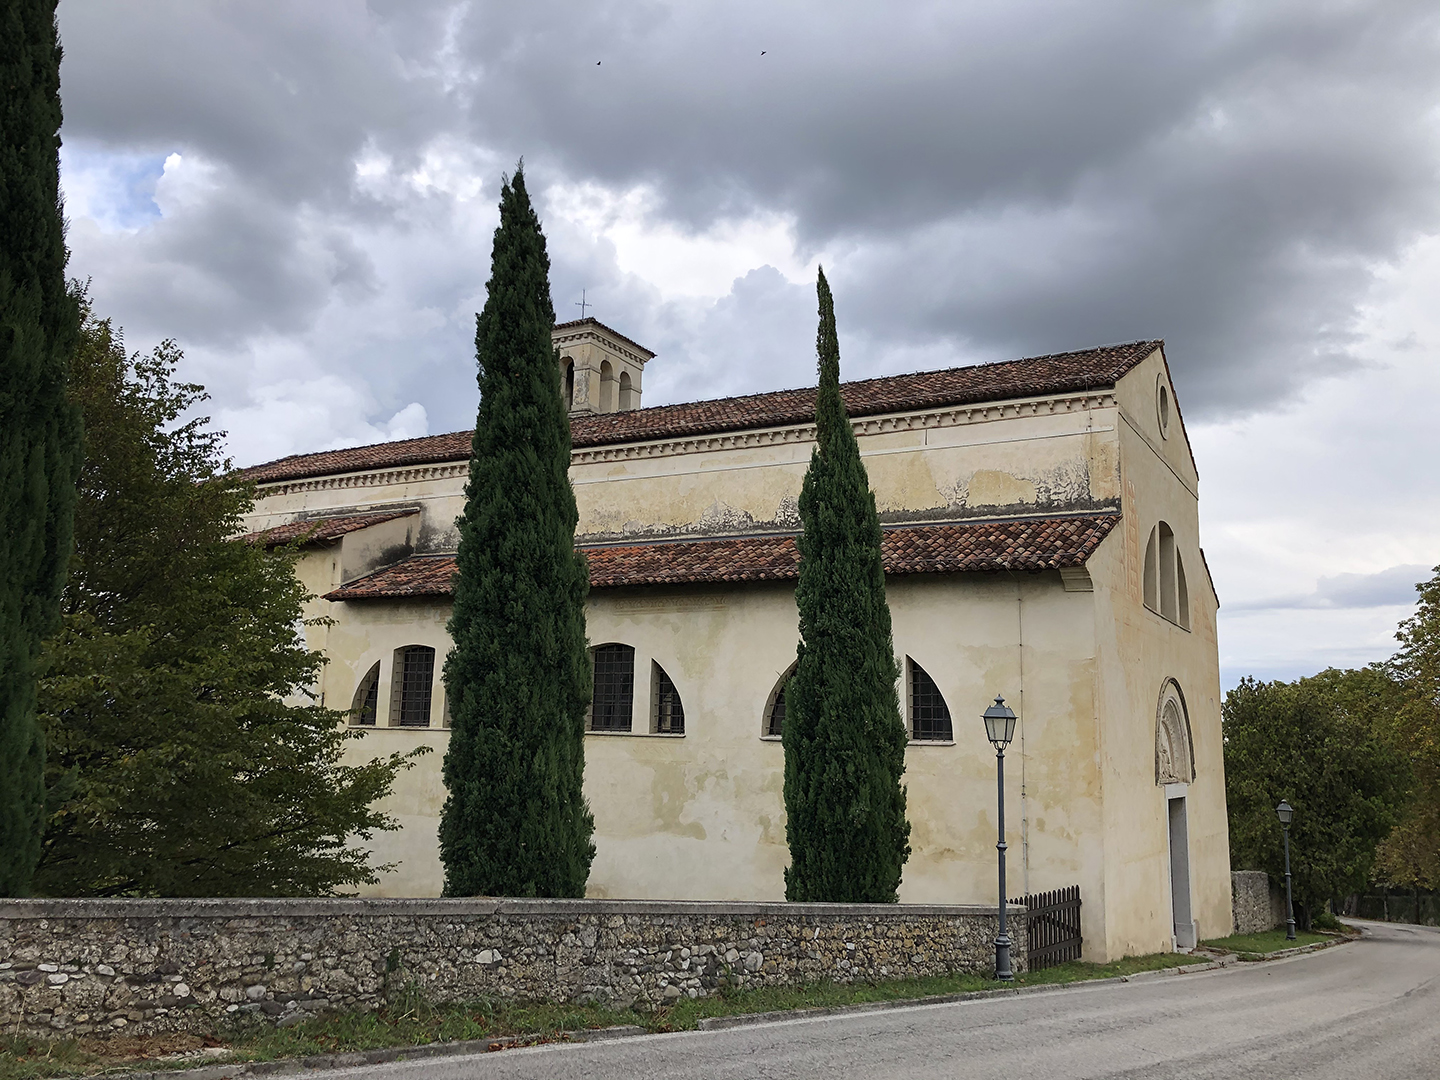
x: 1052, y: 923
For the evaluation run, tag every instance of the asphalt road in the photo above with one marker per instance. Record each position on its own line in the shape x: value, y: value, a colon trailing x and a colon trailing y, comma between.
x: 1367, y: 1009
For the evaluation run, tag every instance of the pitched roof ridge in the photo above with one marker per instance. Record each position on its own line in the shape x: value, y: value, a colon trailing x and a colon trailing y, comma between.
x: 875, y: 380
x: 876, y: 396
x: 590, y: 320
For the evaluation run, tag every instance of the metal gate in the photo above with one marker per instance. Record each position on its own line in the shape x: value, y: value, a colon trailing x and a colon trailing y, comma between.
x: 1052, y: 925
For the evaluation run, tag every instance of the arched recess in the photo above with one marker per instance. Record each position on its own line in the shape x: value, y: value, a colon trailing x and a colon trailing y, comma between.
x: 412, y: 686
x: 929, y: 713
x: 367, y: 698
x: 569, y: 363
x: 607, y: 387
x: 1174, y: 747
x: 774, y: 716
x: 627, y: 400
x: 1167, y: 571
x: 1182, y: 593
x: 1166, y: 591
x: 612, y: 702
x: 667, y: 712
x: 1152, y: 562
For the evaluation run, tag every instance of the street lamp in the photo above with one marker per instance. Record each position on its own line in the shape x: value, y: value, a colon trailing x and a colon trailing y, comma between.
x: 1000, y: 729
x: 1286, y: 813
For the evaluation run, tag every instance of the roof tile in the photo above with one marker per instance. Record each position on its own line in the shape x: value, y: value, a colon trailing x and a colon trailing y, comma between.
x: 1021, y: 544
x: 323, y: 528
x: 1090, y: 369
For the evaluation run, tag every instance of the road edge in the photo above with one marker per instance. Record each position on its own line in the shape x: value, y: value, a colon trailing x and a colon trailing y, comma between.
x: 463, y: 1048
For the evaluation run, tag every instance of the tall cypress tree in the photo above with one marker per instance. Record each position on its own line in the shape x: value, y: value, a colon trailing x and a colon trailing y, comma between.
x: 39, y: 428
x: 515, y: 822
x: 844, y: 738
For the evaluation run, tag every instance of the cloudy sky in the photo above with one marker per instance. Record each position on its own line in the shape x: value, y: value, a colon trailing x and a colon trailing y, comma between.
x: 302, y: 194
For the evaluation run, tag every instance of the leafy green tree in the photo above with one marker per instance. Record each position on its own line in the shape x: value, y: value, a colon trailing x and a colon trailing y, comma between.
x: 844, y: 737
x: 515, y: 821
x: 1320, y: 744
x: 188, y: 757
x: 39, y: 428
x: 1410, y: 855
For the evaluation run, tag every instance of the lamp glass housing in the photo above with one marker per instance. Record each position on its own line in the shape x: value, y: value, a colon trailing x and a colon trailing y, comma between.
x: 999, y: 723
x: 1285, y: 812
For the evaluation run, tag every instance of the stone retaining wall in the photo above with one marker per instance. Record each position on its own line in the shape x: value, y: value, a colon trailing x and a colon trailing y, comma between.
x: 1257, y: 904
x: 81, y: 966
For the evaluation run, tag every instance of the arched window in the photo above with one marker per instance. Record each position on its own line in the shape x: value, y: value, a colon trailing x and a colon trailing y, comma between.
x: 412, y: 686
x: 627, y: 400
x: 668, y: 715
x: 929, y: 715
x: 1182, y: 592
x: 775, y: 706
x: 1167, y: 572
x: 1166, y: 591
x: 569, y: 383
x: 607, y: 387
x: 367, y: 694
x: 1152, y: 561
x: 613, y: 701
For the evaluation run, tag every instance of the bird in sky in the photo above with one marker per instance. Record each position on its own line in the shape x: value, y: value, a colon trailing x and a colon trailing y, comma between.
x: 597, y: 63
x: 762, y: 52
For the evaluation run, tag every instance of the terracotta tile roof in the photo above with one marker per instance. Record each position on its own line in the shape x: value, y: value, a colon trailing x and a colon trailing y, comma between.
x: 1039, y: 543
x: 576, y: 324
x: 323, y: 528
x: 1090, y: 369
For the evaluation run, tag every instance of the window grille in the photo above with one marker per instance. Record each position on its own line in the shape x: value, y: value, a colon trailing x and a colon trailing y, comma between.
x: 367, y: 695
x: 416, y: 679
x: 929, y: 715
x: 669, y: 712
x: 775, y: 722
x: 613, y: 701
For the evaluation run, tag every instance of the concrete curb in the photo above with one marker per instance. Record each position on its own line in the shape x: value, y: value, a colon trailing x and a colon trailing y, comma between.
x: 293, y: 1066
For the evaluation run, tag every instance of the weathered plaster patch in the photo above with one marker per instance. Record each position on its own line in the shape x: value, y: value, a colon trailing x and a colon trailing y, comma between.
x: 989, y: 487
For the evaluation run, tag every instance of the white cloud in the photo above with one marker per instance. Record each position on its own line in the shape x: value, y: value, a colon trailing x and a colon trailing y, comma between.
x: 1333, y: 495
x: 676, y: 262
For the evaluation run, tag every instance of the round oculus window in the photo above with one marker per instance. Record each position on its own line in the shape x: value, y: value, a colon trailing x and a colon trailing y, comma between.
x: 1162, y: 407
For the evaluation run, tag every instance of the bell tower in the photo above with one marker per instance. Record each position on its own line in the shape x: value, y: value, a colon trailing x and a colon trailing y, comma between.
x: 600, y: 370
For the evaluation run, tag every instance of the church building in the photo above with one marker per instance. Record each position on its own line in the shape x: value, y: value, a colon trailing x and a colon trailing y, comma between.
x: 1041, y: 541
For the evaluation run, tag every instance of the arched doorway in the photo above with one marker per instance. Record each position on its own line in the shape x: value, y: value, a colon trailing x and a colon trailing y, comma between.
x: 1174, y: 771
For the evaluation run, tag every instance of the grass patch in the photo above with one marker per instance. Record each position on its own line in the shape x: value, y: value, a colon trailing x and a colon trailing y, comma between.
x: 1266, y: 942
x: 687, y: 1013
x: 412, y: 1020
x: 22, y: 1059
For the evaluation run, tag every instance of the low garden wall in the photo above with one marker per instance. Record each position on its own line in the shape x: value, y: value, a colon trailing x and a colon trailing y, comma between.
x: 1257, y: 904
x: 82, y: 966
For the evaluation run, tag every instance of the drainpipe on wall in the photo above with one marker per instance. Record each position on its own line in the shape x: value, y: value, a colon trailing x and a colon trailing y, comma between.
x: 1024, y: 808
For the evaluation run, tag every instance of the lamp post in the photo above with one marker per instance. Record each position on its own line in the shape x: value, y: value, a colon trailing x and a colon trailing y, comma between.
x: 1286, y: 813
x: 1000, y: 729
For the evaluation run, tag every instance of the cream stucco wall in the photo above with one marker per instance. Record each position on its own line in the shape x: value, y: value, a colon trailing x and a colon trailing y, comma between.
x: 1137, y: 651
x: 701, y: 816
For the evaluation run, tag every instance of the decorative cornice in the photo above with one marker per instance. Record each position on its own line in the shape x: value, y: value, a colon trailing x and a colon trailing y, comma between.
x: 378, y: 478
x: 734, y: 440
x: 870, y: 425
x: 610, y: 343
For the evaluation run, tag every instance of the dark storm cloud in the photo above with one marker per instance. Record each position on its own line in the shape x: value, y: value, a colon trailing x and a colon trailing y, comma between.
x: 1018, y: 178
x: 982, y: 180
